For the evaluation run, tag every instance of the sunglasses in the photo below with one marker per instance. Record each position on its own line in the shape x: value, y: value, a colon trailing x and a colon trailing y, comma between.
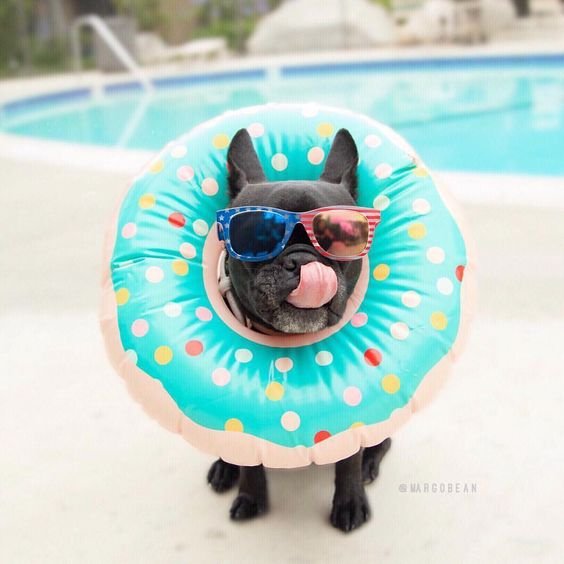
x: 255, y: 233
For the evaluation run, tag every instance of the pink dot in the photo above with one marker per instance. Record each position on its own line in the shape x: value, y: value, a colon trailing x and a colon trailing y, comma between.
x: 194, y: 348
x: 129, y: 230
x: 221, y: 376
x: 359, y: 319
x: 290, y: 421
x: 284, y: 364
x: 352, y: 396
x: 185, y: 173
x: 203, y: 314
x: 139, y: 327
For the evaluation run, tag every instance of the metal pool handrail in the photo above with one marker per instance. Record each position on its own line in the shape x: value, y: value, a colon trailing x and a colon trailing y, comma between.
x: 101, y: 28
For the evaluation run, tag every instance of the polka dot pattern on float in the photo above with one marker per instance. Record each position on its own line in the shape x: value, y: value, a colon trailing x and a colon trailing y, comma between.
x: 176, y: 219
x: 290, y: 421
x: 194, y: 347
x: 284, y: 364
x: 359, y: 319
x: 321, y: 436
x: 325, y: 129
x: 445, y: 286
x: 256, y: 129
x: 180, y: 267
x: 200, y: 227
x: 147, y: 201
x: 439, y: 320
x: 156, y: 167
x: 185, y: 173
x: 421, y: 206
x: 436, y: 255
x: 243, y: 355
x: 220, y: 141
x: 381, y: 202
x: 122, y: 296
x: 210, y: 187
x: 187, y: 250
x: 140, y: 327
x: 372, y: 357
x: 129, y: 230
x: 234, y: 425
x: 315, y: 155
x: 417, y: 230
x: 399, y: 331
x: 274, y: 391
x: 178, y: 151
x: 324, y: 358
x: 221, y: 376
x: 203, y: 314
x: 352, y: 396
x: 381, y: 272
x: 372, y: 141
x: 459, y: 272
x: 279, y: 162
x: 390, y: 383
x: 172, y: 309
x: 163, y: 355
x: 383, y: 171
x: 154, y: 274
x: 410, y: 299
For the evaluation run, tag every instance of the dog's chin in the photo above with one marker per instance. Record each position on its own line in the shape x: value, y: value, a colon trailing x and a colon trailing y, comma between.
x: 293, y: 320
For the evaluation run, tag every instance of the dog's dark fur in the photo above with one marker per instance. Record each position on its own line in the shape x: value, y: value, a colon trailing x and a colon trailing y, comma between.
x: 262, y: 289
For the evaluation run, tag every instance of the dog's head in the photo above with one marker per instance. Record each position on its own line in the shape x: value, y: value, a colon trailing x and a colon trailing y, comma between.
x: 263, y: 288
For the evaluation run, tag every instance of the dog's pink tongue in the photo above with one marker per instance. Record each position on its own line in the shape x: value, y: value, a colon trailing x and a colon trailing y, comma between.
x: 318, y: 284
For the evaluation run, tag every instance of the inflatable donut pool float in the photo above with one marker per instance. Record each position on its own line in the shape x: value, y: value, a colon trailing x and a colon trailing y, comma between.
x: 283, y: 401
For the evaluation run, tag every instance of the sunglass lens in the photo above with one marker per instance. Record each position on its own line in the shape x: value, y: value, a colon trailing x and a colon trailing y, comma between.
x: 256, y: 234
x: 341, y: 233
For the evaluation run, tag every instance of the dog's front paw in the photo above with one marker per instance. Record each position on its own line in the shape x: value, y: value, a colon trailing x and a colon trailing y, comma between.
x: 371, y: 458
x: 246, y: 506
x: 350, y: 512
x: 222, y: 475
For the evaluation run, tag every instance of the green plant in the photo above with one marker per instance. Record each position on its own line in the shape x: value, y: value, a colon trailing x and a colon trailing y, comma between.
x: 147, y: 13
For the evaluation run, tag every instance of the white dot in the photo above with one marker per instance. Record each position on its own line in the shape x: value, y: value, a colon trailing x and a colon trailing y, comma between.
x: 154, y: 274
x: 131, y: 355
x: 310, y: 110
x: 445, y: 286
x: 210, y: 186
x: 243, y: 355
x: 436, y: 255
x: 372, y: 141
x: 139, y: 327
x: 410, y: 299
x: 172, y: 309
x: 185, y: 173
x: 178, y: 151
x: 290, y: 420
x: 315, y: 155
x: 381, y: 202
x: 221, y: 376
x: 200, y: 227
x: 324, y: 358
x: 383, y: 170
x: 187, y: 250
x: 203, y: 313
x: 279, y: 162
x: 399, y: 330
x: 352, y: 396
x: 256, y: 129
x: 284, y: 364
x: 421, y: 206
x: 129, y: 230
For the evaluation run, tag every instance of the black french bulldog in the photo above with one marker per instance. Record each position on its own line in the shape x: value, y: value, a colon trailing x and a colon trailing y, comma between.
x: 261, y: 289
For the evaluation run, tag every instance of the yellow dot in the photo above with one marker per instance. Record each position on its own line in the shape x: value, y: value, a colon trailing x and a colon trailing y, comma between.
x: 439, y: 320
x: 122, y: 296
x: 381, y: 272
x: 234, y: 424
x: 420, y: 171
x: 180, y: 267
x: 325, y: 129
x: 147, y: 201
x: 220, y: 141
x: 163, y: 355
x: 274, y: 391
x: 157, y: 166
x: 357, y: 424
x: 417, y: 230
x: 390, y: 383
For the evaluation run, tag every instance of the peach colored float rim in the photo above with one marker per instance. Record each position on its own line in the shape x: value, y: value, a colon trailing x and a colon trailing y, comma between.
x: 248, y: 450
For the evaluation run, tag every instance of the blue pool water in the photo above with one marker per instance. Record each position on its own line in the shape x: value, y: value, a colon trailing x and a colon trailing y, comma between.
x: 485, y: 115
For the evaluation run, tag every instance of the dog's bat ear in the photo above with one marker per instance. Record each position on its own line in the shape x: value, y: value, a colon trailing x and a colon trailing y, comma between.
x: 342, y: 161
x: 244, y: 166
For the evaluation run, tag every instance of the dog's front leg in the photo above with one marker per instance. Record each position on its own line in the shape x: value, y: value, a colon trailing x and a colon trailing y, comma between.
x: 350, y: 506
x: 253, y: 497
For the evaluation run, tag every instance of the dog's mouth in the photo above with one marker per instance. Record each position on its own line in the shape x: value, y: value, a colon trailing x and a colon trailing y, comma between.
x: 317, y: 286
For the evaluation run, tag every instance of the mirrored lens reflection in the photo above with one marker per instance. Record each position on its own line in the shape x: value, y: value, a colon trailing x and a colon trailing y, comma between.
x: 256, y: 234
x: 342, y: 233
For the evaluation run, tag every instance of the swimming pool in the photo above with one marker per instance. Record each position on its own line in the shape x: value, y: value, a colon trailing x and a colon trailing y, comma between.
x: 490, y: 114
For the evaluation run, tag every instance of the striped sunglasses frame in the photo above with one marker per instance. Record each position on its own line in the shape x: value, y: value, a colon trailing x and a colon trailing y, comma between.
x: 292, y: 219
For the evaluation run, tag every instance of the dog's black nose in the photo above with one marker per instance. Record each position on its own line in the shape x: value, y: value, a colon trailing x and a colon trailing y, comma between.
x: 296, y: 256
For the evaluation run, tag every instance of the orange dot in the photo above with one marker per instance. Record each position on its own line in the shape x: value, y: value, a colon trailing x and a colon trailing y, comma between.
x: 390, y: 383
x: 220, y: 141
x: 180, y: 267
x: 234, y: 424
x: 417, y: 230
x: 274, y: 391
x: 147, y: 201
x: 325, y: 129
x: 194, y: 348
x: 163, y: 355
x: 321, y: 436
x: 439, y: 320
x: 122, y: 296
x: 381, y: 272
